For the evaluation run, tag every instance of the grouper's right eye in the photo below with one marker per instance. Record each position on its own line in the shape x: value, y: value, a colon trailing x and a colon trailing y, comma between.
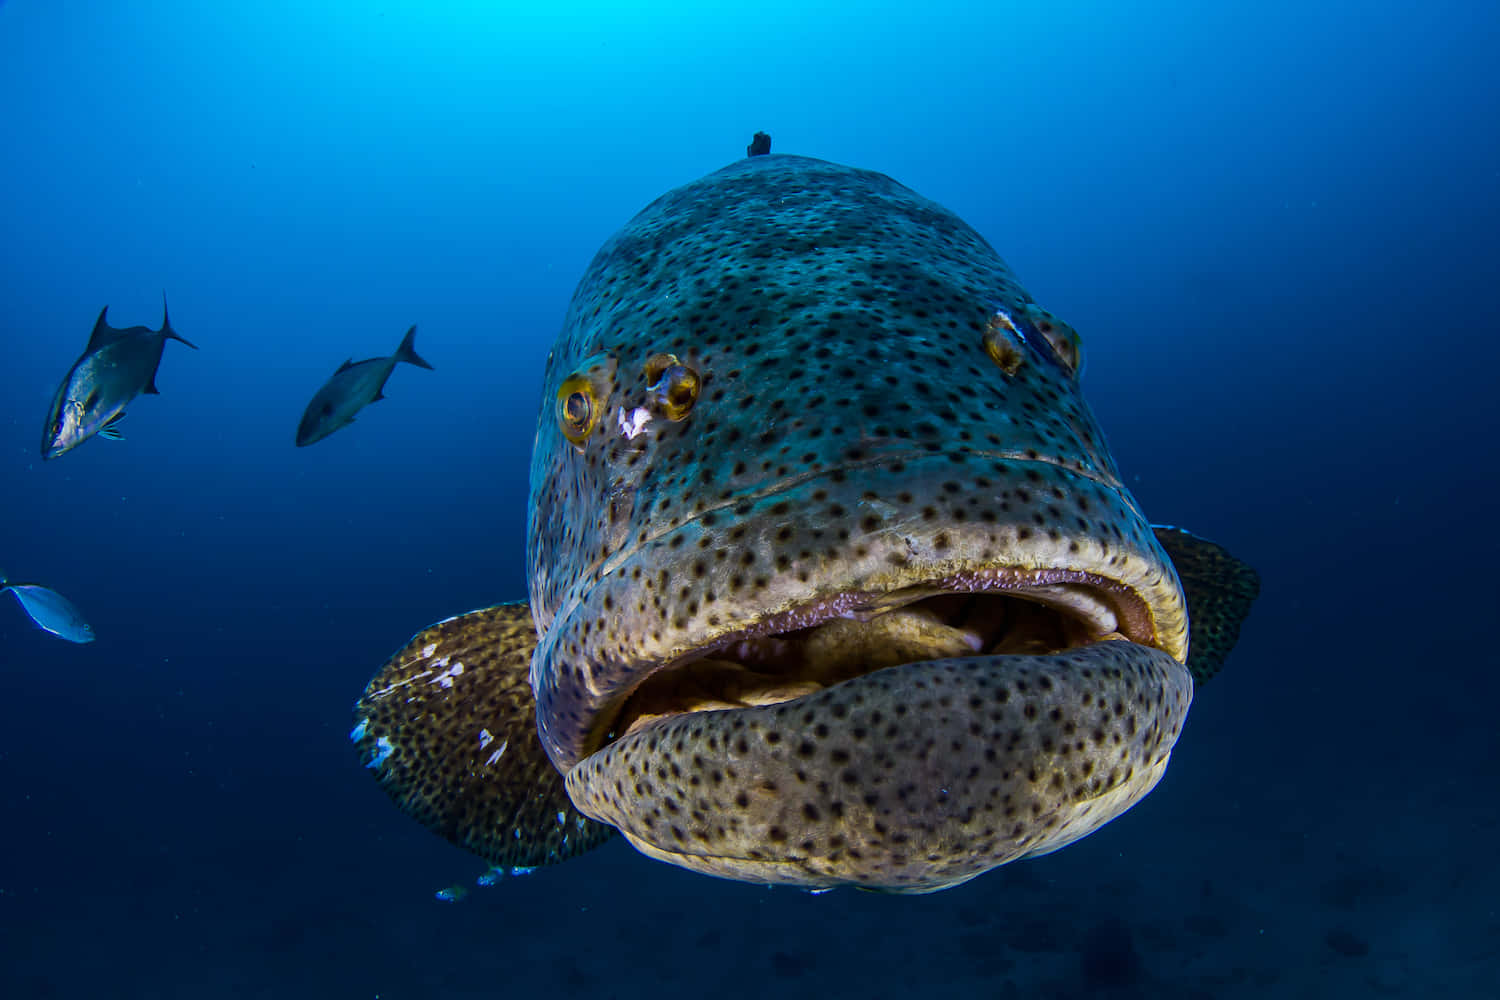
x: 1066, y: 345
x: 577, y: 409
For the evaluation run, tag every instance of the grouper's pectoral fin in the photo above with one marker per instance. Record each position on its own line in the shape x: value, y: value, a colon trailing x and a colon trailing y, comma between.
x: 1220, y: 590
x: 448, y: 725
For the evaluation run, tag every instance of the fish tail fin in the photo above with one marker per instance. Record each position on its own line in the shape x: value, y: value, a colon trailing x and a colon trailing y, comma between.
x: 408, y: 351
x: 166, y: 324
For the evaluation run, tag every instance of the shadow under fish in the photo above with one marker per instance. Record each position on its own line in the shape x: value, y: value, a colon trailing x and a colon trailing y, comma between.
x: 116, y: 366
x: 50, y: 610
x: 354, y: 386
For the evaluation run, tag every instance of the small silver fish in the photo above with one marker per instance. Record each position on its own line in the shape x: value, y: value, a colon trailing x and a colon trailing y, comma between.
x: 116, y: 366
x: 354, y: 386
x: 50, y: 610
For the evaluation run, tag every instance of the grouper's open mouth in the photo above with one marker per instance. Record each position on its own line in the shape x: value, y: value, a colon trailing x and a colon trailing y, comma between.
x: 836, y: 639
x: 905, y: 741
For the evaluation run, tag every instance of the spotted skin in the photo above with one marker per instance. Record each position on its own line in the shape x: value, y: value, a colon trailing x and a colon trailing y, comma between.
x: 446, y: 727
x: 852, y: 434
x: 876, y: 782
x: 833, y: 578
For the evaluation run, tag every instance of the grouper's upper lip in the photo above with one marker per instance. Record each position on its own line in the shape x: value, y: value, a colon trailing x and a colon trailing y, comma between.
x: 785, y: 484
x: 581, y: 677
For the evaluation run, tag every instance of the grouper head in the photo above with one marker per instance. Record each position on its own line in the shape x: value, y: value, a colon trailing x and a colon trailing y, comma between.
x: 833, y: 576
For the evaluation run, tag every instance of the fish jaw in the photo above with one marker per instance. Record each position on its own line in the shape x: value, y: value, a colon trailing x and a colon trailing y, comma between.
x: 830, y: 628
x: 855, y: 544
x: 911, y: 779
x: 73, y: 420
x: 57, y: 437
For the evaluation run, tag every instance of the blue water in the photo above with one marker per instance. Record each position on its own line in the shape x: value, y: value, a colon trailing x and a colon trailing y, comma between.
x: 1274, y: 225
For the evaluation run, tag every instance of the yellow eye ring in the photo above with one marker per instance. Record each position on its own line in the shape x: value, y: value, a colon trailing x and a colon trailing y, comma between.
x: 672, y: 386
x: 1002, y: 342
x: 577, y: 409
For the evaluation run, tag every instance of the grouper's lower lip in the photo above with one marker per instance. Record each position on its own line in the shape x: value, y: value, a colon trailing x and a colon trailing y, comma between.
x: 910, y: 779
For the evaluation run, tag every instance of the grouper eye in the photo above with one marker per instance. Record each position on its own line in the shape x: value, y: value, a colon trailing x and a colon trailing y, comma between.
x: 1061, y: 337
x: 1003, y: 343
x: 582, y: 397
x: 577, y: 409
x: 672, y: 385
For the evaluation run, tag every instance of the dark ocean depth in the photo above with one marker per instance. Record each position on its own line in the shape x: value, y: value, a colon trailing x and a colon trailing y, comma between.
x: 1273, y: 224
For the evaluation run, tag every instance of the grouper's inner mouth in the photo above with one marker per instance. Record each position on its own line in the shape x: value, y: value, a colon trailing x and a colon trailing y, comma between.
x: 849, y: 636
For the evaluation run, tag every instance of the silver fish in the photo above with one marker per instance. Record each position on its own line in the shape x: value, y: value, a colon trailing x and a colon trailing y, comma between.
x: 116, y: 366
x: 833, y: 580
x: 354, y: 386
x: 50, y: 610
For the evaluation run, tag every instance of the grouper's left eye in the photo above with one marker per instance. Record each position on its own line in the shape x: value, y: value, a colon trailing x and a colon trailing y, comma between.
x: 577, y: 409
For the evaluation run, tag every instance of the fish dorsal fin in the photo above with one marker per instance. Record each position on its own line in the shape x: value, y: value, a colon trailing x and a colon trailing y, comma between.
x: 103, y: 333
x: 345, y: 366
x: 448, y: 726
x: 1219, y: 589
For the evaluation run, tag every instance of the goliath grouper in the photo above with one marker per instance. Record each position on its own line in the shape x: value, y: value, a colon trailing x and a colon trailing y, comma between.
x: 833, y: 580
